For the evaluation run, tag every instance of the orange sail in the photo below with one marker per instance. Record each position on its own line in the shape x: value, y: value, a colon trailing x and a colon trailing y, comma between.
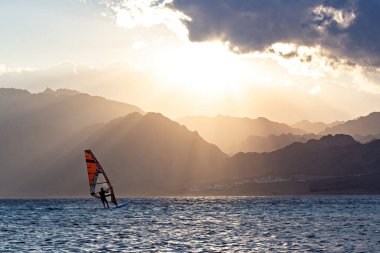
x: 97, y: 178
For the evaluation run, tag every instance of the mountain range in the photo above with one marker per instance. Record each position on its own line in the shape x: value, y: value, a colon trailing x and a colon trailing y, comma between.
x: 33, y: 124
x: 229, y: 132
x: 271, y: 143
x: 142, y: 154
x: 366, y: 125
x: 331, y: 164
x: 43, y: 136
x: 314, y: 127
x: 234, y: 134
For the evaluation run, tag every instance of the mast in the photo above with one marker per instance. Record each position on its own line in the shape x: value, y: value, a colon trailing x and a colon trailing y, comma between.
x: 94, y: 170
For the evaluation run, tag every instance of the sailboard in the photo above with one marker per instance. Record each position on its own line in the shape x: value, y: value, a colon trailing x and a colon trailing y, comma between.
x: 98, y: 179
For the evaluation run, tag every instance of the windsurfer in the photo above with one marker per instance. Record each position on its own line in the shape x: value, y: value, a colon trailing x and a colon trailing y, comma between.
x: 95, y: 173
x: 103, y: 198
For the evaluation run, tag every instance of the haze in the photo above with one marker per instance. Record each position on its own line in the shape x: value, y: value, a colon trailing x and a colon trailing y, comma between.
x: 185, y: 58
x: 177, y: 97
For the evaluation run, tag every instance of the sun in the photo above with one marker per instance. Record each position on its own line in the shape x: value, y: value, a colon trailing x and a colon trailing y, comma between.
x: 206, y: 69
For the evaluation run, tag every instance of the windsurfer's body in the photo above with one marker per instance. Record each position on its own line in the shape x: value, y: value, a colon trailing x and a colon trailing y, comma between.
x: 103, y: 198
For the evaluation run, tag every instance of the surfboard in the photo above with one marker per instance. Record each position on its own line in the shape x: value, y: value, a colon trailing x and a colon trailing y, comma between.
x: 120, y: 205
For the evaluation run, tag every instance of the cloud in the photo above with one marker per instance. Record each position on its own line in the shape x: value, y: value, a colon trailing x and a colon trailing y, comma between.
x: 344, y: 29
x: 6, y: 70
x: 147, y: 13
x: 324, y: 16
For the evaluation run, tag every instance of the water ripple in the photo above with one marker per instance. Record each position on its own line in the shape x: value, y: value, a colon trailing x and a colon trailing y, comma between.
x: 241, y: 224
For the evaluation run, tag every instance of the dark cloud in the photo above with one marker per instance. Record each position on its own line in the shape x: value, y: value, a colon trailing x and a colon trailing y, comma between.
x: 347, y: 29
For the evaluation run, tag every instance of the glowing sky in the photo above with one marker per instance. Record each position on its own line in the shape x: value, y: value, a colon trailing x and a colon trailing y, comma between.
x: 285, y: 60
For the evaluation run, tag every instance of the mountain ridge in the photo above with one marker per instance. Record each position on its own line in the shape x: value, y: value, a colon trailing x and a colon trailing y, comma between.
x: 314, y: 127
x: 228, y: 132
x: 142, y: 154
x: 271, y: 143
x: 147, y: 154
x: 364, y: 125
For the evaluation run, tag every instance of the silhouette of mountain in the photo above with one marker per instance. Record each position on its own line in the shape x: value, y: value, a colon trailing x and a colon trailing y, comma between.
x: 66, y: 109
x: 147, y: 154
x: 229, y: 132
x: 60, y: 92
x: 295, y: 158
x: 32, y: 124
x: 63, y: 110
x: 310, y: 167
x: 366, y: 125
x: 314, y: 127
x: 273, y: 142
x: 366, y: 138
x: 43, y: 137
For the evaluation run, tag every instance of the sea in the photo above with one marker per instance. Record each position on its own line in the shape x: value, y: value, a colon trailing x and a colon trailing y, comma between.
x: 193, y: 224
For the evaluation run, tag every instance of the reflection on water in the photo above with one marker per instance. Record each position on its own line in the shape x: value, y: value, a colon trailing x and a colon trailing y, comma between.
x: 330, y: 224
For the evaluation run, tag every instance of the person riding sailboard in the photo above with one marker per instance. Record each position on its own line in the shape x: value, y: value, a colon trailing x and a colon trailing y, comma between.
x: 97, y: 178
x: 103, y: 197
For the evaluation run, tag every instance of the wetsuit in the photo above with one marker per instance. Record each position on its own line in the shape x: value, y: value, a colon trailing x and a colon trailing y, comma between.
x: 103, y: 198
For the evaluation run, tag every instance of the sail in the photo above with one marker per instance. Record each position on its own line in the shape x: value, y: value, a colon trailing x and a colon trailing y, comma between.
x: 97, y: 178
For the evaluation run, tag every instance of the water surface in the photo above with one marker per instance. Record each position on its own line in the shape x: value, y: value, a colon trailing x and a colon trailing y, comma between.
x: 241, y: 224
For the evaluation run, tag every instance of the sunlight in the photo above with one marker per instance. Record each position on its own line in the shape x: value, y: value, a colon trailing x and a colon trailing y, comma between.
x: 206, y: 69
x: 148, y: 13
x: 307, y: 61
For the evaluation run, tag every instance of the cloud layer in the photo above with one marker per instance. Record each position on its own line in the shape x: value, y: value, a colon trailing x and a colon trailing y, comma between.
x: 346, y: 29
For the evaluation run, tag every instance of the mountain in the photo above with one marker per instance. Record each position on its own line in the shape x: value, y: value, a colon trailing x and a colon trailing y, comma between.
x: 273, y: 142
x: 366, y: 125
x: 65, y: 109
x: 332, y: 164
x: 33, y: 124
x: 229, y: 132
x: 43, y: 136
x: 298, y: 158
x: 314, y: 127
x: 142, y: 154
x: 366, y: 138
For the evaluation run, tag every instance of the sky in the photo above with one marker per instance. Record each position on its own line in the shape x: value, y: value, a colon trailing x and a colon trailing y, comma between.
x: 284, y: 60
